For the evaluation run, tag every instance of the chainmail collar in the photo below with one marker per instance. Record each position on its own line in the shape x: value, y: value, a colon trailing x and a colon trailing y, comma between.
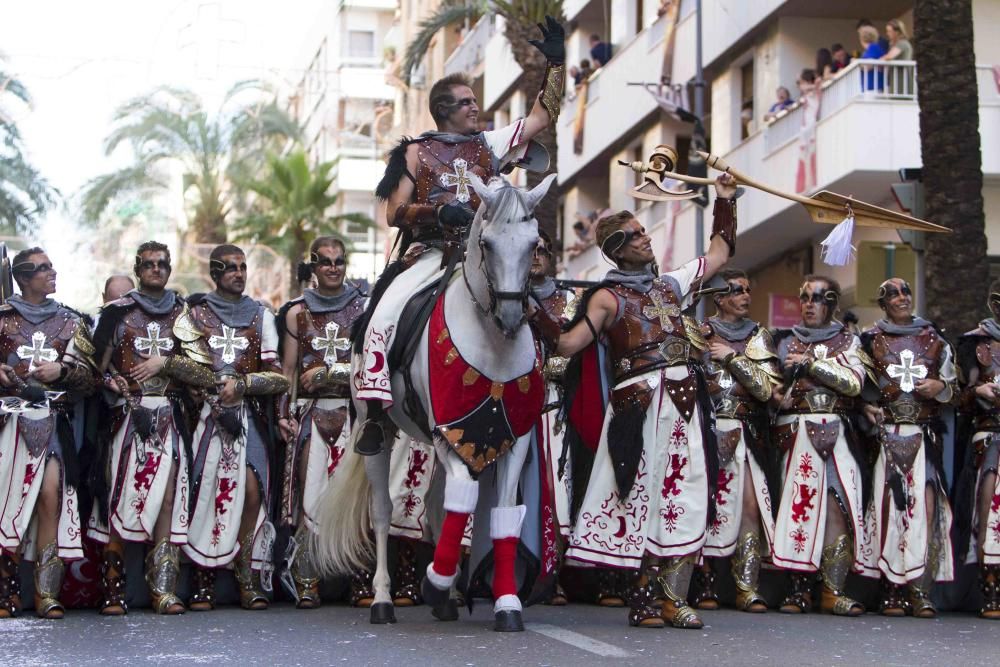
x: 991, y: 327
x: 545, y: 290
x: 160, y: 306
x: 819, y: 334
x: 36, y: 313
x: 733, y: 331
x: 318, y: 303
x: 237, y: 314
x: 916, y: 326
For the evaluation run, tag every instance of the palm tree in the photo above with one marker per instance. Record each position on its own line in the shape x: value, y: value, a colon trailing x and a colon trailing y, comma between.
x: 292, y: 207
x: 521, y: 18
x: 24, y: 194
x: 215, y: 152
x: 957, y: 267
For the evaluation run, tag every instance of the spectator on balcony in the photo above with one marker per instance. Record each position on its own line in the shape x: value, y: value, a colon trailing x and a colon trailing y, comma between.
x: 882, y: 41
x: 600, y: 51
x: 784, y: 101
x: 872, y: 50
x: 899, y: 42
x: 807, y: 83
x: 824, y: 64
x: 586, y: 69
x: 841, y: 58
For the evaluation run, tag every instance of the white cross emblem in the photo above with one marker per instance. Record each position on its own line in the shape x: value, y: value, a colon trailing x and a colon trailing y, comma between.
x: 330, y: 344
x: 228, y: 342
x: 459, y: 180
x: 906, y: 371
x: 661, y: 311
x: 820, y: 352
x: 37, y: 352
x: 152, y: 343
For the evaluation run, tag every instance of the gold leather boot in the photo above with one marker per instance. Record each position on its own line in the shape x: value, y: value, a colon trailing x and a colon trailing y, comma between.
x: 251, y: 595
x: 834, y: 566
x: 162, y: 569
x: 746, y: 570
x: 304, y: 572
x: 49, y: 572
x: 675, y: 578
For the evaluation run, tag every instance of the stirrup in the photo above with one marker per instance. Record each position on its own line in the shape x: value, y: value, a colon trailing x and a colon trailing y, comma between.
x: 371, y: 440
x: 112, y: 584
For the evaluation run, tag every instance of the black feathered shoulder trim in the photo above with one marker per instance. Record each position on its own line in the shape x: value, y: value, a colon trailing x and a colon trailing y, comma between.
x: 111, y: 314
x: 394, y: 170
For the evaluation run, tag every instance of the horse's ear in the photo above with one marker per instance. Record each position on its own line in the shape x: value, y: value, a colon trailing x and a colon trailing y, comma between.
x: 538, y: 192
x: 485, y: 192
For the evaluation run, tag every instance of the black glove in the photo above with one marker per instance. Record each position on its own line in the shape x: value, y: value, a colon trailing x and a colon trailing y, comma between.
x: 455, y: 214
x: 553, y: 43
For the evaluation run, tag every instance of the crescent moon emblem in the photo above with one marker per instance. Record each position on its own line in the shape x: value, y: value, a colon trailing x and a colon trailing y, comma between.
x: 621, y: 527
x: 379, y: 362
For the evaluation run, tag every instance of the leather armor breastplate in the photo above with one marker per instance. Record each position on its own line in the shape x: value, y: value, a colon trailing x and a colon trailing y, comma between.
x: 324, y: 339
x: 809, y: 395
x: 988, y: 360
x: 140, y: 336
x: 555, y: 305
x: 650, y: 333
x: 898, y: 357
x: 442, y: 171
x: 24, y: 345
x: 233, y: 350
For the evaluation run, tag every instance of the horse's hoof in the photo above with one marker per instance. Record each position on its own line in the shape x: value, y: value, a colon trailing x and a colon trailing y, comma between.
x: 508, y: 621
x: 383, y: 613
x: 448, y: 611
x: 433, y: 596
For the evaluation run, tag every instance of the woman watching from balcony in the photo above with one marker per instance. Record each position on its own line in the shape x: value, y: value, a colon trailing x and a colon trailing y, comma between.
x: 824, y: 64
x: 871, y: 50
x: 899, y: 42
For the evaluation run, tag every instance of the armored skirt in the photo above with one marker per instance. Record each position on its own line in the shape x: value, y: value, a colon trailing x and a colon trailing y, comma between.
x: 817, y: 460
x: 898, y: 543
x: 666, y: 511
x: 324, y: 430
x: 139, y: 472
x: 736, y: 464
x: 27, y: 440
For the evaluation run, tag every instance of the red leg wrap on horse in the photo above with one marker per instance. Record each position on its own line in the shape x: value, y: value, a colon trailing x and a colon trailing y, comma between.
x: 504, y: 556
x: 449, y: 546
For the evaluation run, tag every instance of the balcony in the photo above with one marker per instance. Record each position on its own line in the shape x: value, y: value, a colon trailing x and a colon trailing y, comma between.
x: 470, y: 54
x: 613, y: 109
x: 863, y: 138
x: 366, y: 83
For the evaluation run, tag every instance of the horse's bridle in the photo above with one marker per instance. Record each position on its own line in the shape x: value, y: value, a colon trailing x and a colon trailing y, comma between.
x: 497, y: 296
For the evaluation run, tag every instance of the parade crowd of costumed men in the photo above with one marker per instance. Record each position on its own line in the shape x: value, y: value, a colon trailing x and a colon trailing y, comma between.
x: 209, y: 431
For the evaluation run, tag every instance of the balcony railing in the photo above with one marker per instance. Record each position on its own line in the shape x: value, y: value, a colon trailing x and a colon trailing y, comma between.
x: 468, y: 56
x: 862, y: 80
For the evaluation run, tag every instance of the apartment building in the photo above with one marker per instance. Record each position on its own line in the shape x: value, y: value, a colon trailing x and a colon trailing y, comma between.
x: 345, y: 103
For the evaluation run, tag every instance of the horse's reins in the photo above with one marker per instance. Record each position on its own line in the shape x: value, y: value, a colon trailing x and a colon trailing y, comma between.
x: 497, y: 295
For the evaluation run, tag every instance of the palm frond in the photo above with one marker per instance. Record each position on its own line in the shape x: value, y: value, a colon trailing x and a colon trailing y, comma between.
x: 99, y: 192
x: 445, y: 15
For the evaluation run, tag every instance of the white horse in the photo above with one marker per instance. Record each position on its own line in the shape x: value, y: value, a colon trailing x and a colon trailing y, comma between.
x: 485, y: 310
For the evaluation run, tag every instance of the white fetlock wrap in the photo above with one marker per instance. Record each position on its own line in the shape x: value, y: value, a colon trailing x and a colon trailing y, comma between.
x: 506, y: 521
x: 507, y: 603
x: 440, y: 581
x: 460, y: 495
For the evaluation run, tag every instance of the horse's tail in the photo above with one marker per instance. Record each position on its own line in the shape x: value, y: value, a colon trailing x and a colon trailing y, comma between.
x: 342, y: 543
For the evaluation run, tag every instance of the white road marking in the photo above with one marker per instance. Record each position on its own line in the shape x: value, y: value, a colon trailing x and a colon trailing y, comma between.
x: 579, y: 641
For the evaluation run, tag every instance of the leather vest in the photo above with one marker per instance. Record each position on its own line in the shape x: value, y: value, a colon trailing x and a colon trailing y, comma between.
x: 988, y: 361
x: 233, y: 350
x: 809, y: 396
x: 555, y: 305
x: 730, y: 397
x: 24, y: 345
x: 442, y: 171
x: 141, y: 335
x: 324, y: 339
x: 897, y: 357
x: 649, y: 334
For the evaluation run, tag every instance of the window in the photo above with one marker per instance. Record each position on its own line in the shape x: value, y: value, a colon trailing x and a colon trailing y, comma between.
x: 360, y: 44
x: 746, y: 99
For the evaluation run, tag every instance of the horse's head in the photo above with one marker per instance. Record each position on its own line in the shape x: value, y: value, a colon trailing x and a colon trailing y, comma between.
x: 501, y: 243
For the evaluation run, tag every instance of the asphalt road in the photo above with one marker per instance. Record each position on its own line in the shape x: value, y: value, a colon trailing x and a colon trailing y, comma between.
x: 555, y: 636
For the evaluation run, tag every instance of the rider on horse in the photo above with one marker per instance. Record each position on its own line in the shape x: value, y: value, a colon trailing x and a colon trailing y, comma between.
x: 427, y: 189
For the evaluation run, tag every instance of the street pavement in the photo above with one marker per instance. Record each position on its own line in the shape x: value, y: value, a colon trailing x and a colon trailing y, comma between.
x: 573, y: 635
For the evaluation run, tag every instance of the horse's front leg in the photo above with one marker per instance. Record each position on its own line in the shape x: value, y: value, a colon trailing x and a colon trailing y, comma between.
x: 377, y: 469
x: 505, y: 531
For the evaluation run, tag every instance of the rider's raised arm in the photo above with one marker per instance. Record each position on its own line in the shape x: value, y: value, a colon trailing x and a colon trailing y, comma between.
x: 723, y: 244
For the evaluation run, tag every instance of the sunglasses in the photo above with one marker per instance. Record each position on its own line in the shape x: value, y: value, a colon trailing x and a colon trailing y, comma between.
x: 147, y: 264
x: 827, y: 296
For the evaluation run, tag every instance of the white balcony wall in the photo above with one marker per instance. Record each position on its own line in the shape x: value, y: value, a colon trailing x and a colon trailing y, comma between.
x: 367, y: 83
x: 359, y: 173
x: 470, y: 55
x: 985, y: 19
x: 503, y: 71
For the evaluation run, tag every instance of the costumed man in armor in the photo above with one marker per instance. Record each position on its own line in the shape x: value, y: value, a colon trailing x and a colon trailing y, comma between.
x: 559, y: 304
x: 232, y: 468
x: 647, y: 501
x: 820, y: 520
x: 908, y: 523
x: 742, y: 372
x: 979, y: 359
x: 429, y: 197
x: 316, y: 361
x: 141, y: 479
x: 45, y: 367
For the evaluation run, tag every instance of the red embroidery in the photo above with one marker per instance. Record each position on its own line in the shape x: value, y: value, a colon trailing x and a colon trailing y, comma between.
x: 674, y: 476
x: 671, y: 514
x: 336, y: 453
x: 144, y: 475
x: 805, y: 466
x: 799, y: 536
x: 801, y: 507
x: 722, y: 489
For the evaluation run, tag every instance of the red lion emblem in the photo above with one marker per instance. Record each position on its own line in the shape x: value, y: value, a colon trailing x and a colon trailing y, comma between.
x: 801, y: 507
